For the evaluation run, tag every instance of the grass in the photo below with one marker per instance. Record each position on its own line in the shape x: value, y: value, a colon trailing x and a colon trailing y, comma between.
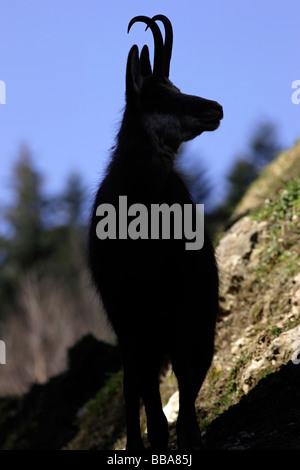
x: 103, y: 417
x: 285, y: 208
x: 283, y: 217
x: 275, y: 331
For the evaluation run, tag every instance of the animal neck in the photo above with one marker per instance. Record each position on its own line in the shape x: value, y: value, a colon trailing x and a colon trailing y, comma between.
x: 139, y: 144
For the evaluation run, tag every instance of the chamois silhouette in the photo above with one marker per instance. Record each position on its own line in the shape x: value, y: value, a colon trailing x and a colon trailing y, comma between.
x: 161, y: 298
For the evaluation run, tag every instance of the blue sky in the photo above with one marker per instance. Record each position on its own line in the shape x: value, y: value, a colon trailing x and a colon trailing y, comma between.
x: 63, y: 63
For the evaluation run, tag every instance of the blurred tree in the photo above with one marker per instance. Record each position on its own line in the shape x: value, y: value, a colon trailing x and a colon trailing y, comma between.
x: 25, y: 214
x: 263, y: 148
x: 21, y: 247
x: 44, y: 234
x: 239, y: 178
x: 67, y: 233
x: 73, y: 199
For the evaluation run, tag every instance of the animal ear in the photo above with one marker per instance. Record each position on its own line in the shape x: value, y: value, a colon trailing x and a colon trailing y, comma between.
x: 145, y: 62
x: 134, y: 77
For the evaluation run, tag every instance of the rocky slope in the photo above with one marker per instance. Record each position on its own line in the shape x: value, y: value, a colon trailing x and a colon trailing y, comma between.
x: 258, y: 331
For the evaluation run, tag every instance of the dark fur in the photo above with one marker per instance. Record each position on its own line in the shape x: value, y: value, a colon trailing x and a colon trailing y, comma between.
x: 160, y: 298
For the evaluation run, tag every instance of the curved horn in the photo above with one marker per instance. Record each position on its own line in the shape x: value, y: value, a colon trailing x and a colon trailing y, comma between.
x: 158, y: 68
x: 168, y: 41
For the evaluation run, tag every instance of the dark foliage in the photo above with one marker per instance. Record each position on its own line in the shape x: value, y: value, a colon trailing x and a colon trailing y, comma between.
x: 44, y: 418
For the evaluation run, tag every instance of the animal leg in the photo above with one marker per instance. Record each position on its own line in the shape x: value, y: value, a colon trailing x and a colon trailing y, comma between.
x: 190, y: 374
x: 157, y: 424
x: 132, y: 406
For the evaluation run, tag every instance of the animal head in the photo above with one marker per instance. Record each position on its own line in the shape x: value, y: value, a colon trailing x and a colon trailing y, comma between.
x: 169, y: 116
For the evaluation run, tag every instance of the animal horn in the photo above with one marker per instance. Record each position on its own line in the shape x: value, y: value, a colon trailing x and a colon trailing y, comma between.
x: 168, y: 41
x: 158, y: 66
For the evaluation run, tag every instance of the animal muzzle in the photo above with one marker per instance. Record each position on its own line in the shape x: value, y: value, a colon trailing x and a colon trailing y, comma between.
x: 211, y: 116
x: 212, y: 112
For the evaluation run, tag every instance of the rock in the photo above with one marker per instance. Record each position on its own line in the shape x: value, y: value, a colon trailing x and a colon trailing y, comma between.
x: 281, y: 348
x: 172, y: 407
x: 233, y: 255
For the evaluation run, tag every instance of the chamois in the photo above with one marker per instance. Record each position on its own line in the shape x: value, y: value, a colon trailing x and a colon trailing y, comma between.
x: 160, y: 298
